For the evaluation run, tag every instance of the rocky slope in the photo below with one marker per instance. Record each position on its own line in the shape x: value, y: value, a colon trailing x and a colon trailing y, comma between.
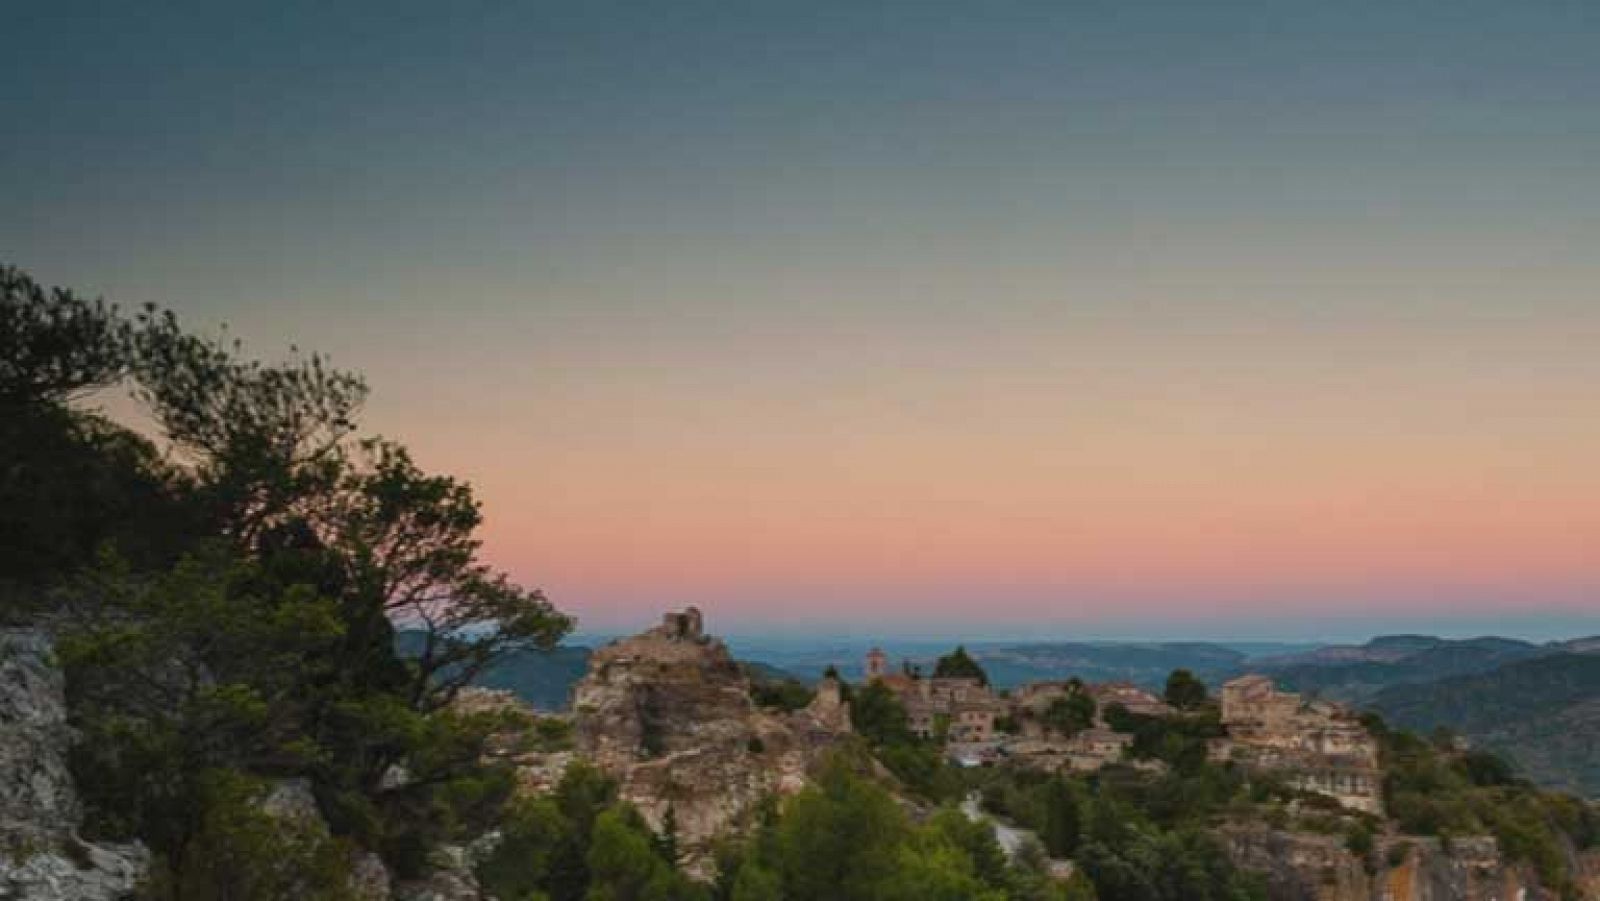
x: 668, y: 713
x: 41, y: 856
x: 1312, y: 867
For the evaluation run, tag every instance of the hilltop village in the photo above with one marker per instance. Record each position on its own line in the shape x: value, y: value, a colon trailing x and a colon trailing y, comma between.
x: 1314, y: 745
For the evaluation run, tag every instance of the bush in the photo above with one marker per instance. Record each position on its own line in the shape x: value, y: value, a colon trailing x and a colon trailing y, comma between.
x: 242, y: 852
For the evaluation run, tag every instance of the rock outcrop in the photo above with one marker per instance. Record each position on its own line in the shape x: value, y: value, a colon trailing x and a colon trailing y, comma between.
x: 1311, y: 867
x: 41, y: 856
x: 669, y: 714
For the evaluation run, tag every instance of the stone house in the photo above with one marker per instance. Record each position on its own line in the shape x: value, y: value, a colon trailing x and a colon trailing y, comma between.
x: 1317, y: 746
x: 966, y: 706
x: 1130, y: 696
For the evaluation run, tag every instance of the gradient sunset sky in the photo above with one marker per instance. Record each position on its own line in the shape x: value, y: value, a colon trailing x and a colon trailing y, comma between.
x: 1052, y: 319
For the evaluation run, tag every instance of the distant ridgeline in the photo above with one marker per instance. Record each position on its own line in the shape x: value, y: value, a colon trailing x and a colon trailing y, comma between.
x: 544, y: 679
x: 1537, y: 704
x: 1544, y: 713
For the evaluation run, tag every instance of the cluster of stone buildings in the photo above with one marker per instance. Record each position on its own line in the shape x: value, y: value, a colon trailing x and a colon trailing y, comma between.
x: 1314, y: 745
x: 1317, y: 746
x: 967, y: 712
x: 962, y: 708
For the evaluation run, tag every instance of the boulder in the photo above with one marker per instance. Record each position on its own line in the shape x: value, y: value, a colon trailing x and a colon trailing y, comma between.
x: 41, y: 856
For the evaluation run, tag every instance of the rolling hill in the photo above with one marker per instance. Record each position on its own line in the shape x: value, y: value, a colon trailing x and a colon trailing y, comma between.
x: 1544, y: 713
x: 1355, y: 673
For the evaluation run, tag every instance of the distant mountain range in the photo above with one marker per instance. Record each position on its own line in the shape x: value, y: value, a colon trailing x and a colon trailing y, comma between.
x: 1538, y: 704
x: 1011, y: 663
x: 1354, y: 673
x: 1543, y: 712
x: 544, y: 679
x: 1147, y: 665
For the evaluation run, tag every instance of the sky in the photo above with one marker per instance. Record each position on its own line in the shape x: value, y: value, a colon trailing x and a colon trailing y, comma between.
x: 1077, y: 319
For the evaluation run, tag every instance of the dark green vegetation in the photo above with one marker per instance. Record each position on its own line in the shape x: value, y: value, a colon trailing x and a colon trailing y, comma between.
x: 772, y: 688
x: 847, y: 839
x: 1544, y: 713
x: 224, y: 608
x: 1356, y: 674
x: 959, y: 664
x: 1184, y: 691
x: 878, y: 717
x: 581, y: 843
x: 1434, y: 788
x: 1070, y: 714
x: 1136, y: 836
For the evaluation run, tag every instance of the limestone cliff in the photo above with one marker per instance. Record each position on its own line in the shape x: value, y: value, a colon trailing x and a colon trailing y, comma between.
x: 1312, y: 867
x: 41, y: 856
x: 669, y: 714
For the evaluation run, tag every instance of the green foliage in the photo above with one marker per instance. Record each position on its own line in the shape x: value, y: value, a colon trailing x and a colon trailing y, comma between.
x: 238, y: 850
x: 1358, y: 839
x: 1178, y: 741
x: 1134, y: 834
x: 1070, y: 713
x: 973, y: 839
x: 839, y: 839
x: 1184, y: 691
x: 624, y: 864
x: 781, y: 694
x: 878, y: 717
x: 756, y: 883
x: 71, y: 480
x: 55, y: 345
x: 1060, y: 817
x: 959, y: 664
x: 1432, y: 789
x: 579, y: 843
x: 231, y: 606
x: 1169, y: 866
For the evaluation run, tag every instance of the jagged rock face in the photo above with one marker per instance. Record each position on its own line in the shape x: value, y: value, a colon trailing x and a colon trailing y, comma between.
x: 36, y: 793
x: 1299, y: 867
x: 1310, y: 867
x: 669, y: 714
x: 1589, y: 874
x: 452, y: 875
x: 41, y: 857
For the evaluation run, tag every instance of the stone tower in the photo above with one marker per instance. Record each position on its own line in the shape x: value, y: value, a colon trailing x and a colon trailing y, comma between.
x: 687, y: 624
x: 877, y: 664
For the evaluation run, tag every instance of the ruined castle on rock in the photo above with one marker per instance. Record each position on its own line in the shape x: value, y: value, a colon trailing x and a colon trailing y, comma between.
x: 685, y: 625
x: 668, y: 712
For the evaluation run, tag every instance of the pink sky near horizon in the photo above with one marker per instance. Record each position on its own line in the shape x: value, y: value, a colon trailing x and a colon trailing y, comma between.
x: 1420, y: 467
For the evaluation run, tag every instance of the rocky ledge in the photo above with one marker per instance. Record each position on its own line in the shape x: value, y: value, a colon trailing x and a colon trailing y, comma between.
x: 41, y: 856
x: 669, y: 714
x: 1311, y: 867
